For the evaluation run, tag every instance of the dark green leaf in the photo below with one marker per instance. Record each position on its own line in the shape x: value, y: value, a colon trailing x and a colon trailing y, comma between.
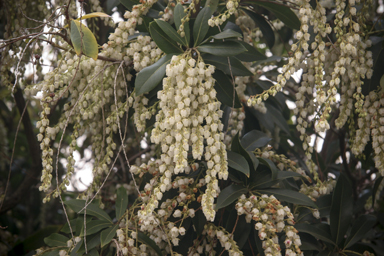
x: 170, y: 31
x: 92, y: 252
x: 148, y: 241
x: 95, y: 226
x: 92, y: 242
x: 238, y: 162
x: 238, y: 148
x: 283, y: 13
x: 129, y: 3
x: 54, y: 252
x: 361, y: 226
x: 162, y: 40
x: 277, y: 118
x: 320, y: 232
x: 107, y: 235
x: 178, y: 15
x: 77, y: 248
x: 254, y: 159
x: 264, y: 26
x: 56, y: 240
x: 199, y: 222
x: 121, y: 202
x: 228, y: 33
x: 226, y: 48
x: 86, y: 43
x: 267, y: 60
x: 242, y: 232
x: 149, y: 77
x: 375, y: 189
x: 93, y: 210
x: 308, y: 242
x: 282, y: 175
x: 229, y: 195
x: 251, y: 55
x: 225, y: 90
x: 212, y: 4
x: 324, y: 205
x: 341, y: 209
x: 200, y: 28
x: 271, y: 166
x: 289, y: 196
x: 254, y: 139
x: 65, y: 228
x: 220, y: 62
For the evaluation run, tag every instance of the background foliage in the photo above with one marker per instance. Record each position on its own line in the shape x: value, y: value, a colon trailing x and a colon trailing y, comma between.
x: 329, y: 192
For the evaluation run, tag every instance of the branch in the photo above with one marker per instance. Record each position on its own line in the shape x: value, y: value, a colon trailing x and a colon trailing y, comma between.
x: 32, y: 177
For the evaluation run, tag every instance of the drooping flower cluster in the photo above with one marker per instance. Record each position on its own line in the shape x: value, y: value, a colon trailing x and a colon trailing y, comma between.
x: 189, y: 114
x: 271, y: 218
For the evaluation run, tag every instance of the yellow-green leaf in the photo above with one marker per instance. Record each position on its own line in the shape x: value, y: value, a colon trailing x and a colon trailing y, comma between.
x: 86, y: 43
x: 94, y: 15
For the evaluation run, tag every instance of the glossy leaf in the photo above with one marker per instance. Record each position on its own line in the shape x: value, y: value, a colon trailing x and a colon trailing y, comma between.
x: 278, y: 118
x: 229, y: 195
x: 341, y: 209
x: 77, y: 205
x: 212, y: 4
x: 129, y: 3
x: 95, y: 226
x: 283, y: 13
x: 315, y: 230
x: 65, y: 228
x: 282, y: 175
x: 85, y: 44
x: 177, y: 16
x: 271, y: 166
x: 107, y: 235
x: 289, y: 196
x: 92, y: 252
x: 226, y: 48
x: 228, y: 33
x: 170, y: 31
x: 56, y: 239
x: 252, y: 54
x: 361, y: 226
x: 225, y: 90
x: 324, y: 205
x: 162, y: 40
x: 149, y: 77
x: 92, y: 242
x: 121, y: 202
x: 54, y: 252
x: 238, y: 148
x: 200, y: 28
x: 94, y: 15
x: 238, y: 162
x: 264, y: 26
x: 222, y: 63
x: 254, y: 139
x: 148, y: 241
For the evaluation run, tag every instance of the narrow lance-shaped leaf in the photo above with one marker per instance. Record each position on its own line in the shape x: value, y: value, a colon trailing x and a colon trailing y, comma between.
x: 252, y: 54
x: 200, y: 28
x: 238, y: 162
x: 162, y: 40
x: 107, y: 235
x: 94, y: 226
x: 56, y: 240
x: 84, y: 42
x: 264, y: 26
x: 361, y: 226
x: 170, y: 31
x: 225, y: 90
x: 78, y: 205
x: 233, y: 66
x: 289, y: 196
x: 149, y: 77
x: 341, y: 209
x: 283, y: 13
x: 121, y: 202
x: 254, y: 139
x: 226, y: 48
x: 316, y: 231
x: 178, y: 14
x: 148, y: 241
x: 229, y: 195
